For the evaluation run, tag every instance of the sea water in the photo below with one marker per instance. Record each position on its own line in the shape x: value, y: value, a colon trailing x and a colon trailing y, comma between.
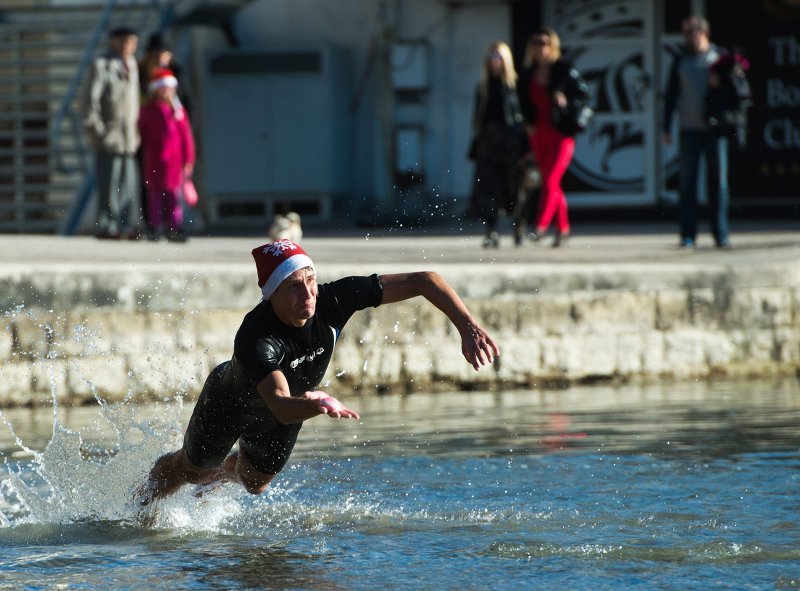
x: 667, y: 486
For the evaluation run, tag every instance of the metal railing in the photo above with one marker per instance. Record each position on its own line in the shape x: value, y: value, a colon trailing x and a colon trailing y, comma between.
x: 46, y: 52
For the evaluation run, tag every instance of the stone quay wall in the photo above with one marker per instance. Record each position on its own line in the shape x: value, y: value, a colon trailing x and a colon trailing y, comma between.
x: 150, y: 333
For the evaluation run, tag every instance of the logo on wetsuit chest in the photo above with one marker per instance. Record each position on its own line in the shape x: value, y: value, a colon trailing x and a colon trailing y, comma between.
x: 309, y: 357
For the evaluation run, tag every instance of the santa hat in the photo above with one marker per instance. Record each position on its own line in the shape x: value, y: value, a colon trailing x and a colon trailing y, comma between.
x: 276, y: 261
x: 162, y: 78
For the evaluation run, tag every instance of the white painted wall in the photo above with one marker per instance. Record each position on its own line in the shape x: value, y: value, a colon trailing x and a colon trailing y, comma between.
x: 457, y: 38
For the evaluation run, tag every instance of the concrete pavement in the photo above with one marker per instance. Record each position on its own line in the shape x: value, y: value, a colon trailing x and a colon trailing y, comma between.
x: 597, y: 244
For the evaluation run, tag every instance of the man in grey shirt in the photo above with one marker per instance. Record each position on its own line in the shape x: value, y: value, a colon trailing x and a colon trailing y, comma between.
x: 110, y: 115
x: 688, y: 90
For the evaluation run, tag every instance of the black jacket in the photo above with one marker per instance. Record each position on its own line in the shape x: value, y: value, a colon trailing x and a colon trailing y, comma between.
x: 512, y: 116
x: 511, y: 108
x: 726, y: 105
x: 565, y: 78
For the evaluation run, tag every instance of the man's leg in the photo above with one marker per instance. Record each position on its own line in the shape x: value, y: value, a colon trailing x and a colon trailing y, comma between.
x: 262, y: 455
x: 239, y: 469
x: 103, y: 171
x: 115, y: 196
x: 718, y: 193
x: 174, y: 470
x: 689, y: 160
x: 128, y: 188
x: 212, y: 431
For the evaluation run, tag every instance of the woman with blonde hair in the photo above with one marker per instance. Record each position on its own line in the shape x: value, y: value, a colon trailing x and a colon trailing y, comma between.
x: 496, y: 145
x: 552, y: 93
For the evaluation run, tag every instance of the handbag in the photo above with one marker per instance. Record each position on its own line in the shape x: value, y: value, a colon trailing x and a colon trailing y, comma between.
x: 573, y: 119
x: 190, y: 196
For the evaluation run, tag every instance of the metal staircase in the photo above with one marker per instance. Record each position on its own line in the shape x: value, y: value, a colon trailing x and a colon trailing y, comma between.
x: 45, y: 52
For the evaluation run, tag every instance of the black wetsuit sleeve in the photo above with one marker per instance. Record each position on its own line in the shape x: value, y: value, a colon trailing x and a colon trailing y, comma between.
x: 257, y: 351
x: 350, y: 294
x: 265, y: 357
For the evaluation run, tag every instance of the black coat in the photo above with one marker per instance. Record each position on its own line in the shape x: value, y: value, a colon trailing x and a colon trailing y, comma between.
x: 512, y: 116
x: 564, y: 78
x: 511, y: 109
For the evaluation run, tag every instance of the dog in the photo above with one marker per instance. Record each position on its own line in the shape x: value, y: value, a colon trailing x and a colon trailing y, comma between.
x: 286, y: 227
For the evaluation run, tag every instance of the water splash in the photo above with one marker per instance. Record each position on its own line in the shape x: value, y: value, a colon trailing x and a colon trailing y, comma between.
x: 73, y: 480
x: 92, y: 474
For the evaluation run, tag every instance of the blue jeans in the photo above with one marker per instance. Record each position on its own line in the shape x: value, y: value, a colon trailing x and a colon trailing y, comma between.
x: 693, y: 144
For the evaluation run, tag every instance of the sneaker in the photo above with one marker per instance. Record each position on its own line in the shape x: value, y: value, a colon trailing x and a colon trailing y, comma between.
x: 492, y: 240
x: 724, y: 245
x: 688, y: 244
x: 177, y: 236
x: 534, y: 237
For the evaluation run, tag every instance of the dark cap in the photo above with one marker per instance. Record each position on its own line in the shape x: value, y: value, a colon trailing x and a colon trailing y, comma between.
x: 123, y: 32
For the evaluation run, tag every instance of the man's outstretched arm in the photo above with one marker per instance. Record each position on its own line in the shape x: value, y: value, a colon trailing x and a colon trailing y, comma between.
x: 274, y: 389
x: 476, y: 344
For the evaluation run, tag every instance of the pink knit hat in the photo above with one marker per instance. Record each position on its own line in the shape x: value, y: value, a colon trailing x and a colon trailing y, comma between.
x: 276, y: 261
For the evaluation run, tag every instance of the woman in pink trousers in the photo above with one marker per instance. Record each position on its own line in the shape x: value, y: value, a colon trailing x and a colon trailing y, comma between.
x: 551, y: 94
x: 168, y: 155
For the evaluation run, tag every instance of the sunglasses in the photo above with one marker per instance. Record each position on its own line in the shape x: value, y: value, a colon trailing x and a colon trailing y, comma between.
x: 541, y: 42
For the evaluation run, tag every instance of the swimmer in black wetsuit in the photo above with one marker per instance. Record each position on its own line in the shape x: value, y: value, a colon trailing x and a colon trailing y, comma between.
x: 261, y: 397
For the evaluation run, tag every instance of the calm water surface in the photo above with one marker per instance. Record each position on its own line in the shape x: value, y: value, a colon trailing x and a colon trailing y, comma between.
x: 660, y: 487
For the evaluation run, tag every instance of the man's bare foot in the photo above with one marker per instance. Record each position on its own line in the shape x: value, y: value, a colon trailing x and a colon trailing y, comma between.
x: 145, y: 493
x: 206, y: 488
x: 146, y: 515
x: 146, y: 509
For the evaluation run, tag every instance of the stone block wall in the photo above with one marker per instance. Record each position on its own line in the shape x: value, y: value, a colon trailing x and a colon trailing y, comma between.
x: 149, y: 337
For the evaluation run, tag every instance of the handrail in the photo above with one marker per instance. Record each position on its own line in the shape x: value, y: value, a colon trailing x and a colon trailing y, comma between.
x: 72, y: 91
x: 71, y: 222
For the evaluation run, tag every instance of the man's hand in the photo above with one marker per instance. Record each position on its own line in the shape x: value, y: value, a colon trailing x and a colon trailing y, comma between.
x: 476, y: 344
x: 288, y: 409
x: 478, y: 347
x: 328, y: 405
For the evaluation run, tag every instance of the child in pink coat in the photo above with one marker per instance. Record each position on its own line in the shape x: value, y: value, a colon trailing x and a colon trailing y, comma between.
x: 168, y: 154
